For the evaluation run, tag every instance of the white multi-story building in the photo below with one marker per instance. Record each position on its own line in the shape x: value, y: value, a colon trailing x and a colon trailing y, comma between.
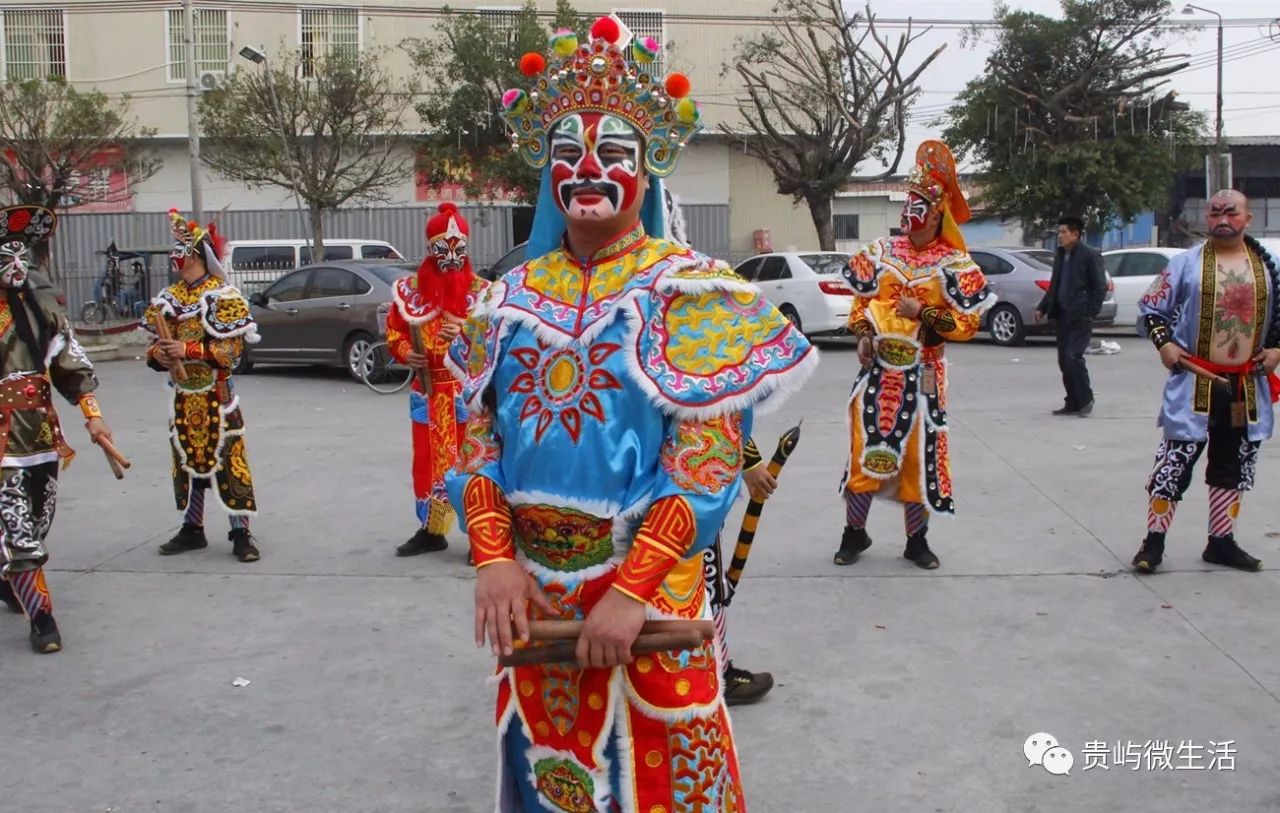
x: 136, y: 48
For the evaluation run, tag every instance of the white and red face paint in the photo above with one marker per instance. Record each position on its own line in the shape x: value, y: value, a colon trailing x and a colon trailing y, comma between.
x: 449, y: 250
x: 915, y: 213
x: 179, y: 253
x: 14, y: 261
x: 595, y: 166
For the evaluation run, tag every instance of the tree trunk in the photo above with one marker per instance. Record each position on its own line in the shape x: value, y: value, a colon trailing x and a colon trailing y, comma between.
x: 820, y: 211
x: 317, y: 233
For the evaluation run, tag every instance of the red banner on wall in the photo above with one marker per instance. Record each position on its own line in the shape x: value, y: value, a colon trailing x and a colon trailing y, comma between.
x: 99, y: 185
x: 455, y: 188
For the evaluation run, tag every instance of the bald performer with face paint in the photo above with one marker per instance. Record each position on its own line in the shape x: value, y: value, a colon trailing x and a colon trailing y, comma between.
x: 1212, y: 314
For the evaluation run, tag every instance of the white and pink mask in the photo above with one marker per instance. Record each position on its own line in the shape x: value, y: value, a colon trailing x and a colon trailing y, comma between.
x: 595, y: 165
x: 15, y: 260
x: 915, y: 213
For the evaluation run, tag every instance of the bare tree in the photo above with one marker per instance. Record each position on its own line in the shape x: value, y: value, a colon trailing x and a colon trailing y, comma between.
x: 341, y: 129
x: 824, y: 90
x: 52, y: 137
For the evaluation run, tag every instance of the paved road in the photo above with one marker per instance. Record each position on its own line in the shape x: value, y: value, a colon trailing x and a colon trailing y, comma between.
x: 898, y: 690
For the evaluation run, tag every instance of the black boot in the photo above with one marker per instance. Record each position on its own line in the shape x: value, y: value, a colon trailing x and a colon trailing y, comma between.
x: 852, y: 544
x: 242, y: 545
x: 44, y: 633
x: 742, y: 687
x: 189, y: 537
x: 1223, y: 550
x: 422, y: 542
x: 9, y: 597
x: 918, y: 551
x: 1151, y: 554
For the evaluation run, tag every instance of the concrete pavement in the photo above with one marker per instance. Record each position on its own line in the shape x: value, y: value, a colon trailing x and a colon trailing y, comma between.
x: 899, y: 690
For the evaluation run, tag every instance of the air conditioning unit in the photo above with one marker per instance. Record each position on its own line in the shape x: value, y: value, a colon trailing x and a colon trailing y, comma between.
x: 210, y: 80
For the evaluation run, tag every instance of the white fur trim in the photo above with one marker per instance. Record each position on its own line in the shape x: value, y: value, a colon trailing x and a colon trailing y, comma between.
x: 596, y: 508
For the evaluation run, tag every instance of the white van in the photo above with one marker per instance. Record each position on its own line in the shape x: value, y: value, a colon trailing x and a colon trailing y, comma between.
x: 252, y: 265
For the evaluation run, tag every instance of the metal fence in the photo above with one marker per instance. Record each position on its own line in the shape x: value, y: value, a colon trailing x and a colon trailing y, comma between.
x: 81, y: 238
x: 94, y: 297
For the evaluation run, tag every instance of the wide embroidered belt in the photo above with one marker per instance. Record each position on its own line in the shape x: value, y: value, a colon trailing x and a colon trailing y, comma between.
x: 903, y: 353
x: 30, y: 392
x: 441, y: 375
x: 562, y: 539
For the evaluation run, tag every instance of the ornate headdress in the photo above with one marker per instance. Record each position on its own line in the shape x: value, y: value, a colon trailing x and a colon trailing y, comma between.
x: 934, y: 177
x: 190, y: 237
x: 602, y: 77
x: 21, y: 227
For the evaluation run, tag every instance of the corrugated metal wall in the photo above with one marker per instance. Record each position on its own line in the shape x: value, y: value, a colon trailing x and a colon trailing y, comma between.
x: 80, y: 236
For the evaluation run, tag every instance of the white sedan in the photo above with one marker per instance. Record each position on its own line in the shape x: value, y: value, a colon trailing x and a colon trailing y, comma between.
x: 806, y: 286
x: 1133, y: 270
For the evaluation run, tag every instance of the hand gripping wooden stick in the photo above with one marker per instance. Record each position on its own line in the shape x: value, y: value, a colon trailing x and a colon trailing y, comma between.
x: 178, y: 371
x: 655, y: 636
x: 115, y: 460
x: 415, y: 338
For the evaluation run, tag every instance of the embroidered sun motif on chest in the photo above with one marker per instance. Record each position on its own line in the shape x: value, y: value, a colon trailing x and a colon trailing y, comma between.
x: 559, y: 383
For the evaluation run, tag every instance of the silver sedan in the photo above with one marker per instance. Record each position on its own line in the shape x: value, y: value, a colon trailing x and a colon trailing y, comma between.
x: 1019, y: 278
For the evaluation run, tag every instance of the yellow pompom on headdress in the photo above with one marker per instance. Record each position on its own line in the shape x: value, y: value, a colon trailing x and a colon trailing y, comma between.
x: 934, y: 177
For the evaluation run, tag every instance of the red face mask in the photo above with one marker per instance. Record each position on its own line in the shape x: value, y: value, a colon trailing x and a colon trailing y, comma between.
x: 915, y: 213
x: 449, y: 250
x: 595, y: 166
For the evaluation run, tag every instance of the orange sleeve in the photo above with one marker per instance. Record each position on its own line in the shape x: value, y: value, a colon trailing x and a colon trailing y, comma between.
x: 398, y: 342
x: 663, y: 539
x: 489, y: 525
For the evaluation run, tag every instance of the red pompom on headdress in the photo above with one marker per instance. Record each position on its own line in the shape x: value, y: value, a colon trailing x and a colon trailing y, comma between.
x: 532, y: 64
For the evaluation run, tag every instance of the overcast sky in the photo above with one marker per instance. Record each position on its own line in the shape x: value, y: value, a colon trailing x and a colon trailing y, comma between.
x: 1251, y: 92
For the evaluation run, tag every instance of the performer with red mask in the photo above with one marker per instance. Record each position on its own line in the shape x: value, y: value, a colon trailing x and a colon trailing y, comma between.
x: 912, y: 294
x: 432, y: 305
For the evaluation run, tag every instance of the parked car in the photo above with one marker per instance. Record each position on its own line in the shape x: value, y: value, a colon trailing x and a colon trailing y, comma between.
x: 1134, y: 269
x: 252, y: 265
x: 806, y: 286
x: 326, y: 314
x: 510, y: 260
x: 1019, y: 277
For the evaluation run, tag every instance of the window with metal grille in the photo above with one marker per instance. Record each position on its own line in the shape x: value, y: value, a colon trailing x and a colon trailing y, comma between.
x: 502, y: 20
x: 212, y: 41
x: 34, y: 43
x: 646, y: 24
x: 324, y: 32
x: 846, y: 226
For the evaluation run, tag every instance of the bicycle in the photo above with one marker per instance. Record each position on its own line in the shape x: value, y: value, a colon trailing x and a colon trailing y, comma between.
x: 382, y: 373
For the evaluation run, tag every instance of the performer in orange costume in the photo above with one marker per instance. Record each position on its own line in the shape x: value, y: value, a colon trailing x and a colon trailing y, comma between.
x: 432, y: 304
x: 913, y: 294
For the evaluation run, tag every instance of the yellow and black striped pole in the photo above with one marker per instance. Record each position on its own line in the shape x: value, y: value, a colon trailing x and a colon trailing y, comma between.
x: 751, y: 519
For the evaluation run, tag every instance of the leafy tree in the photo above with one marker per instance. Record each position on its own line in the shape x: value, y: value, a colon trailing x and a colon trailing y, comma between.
x: 466, y: 69
x: 332, y: 139
x: 1072, y: 115
x: 824, y: 90
x: 52, y: 134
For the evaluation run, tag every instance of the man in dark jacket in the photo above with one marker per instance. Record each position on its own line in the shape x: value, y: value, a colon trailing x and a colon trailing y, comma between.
x: 1076, y: 291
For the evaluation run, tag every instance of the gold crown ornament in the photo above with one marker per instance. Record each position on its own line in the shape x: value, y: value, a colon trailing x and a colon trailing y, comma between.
x: 600, y: 76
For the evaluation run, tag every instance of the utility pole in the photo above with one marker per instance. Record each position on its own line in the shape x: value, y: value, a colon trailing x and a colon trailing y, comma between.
x: 193, y: 124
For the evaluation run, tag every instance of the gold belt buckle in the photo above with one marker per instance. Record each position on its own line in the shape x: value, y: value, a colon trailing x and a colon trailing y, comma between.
x: 897, y: 352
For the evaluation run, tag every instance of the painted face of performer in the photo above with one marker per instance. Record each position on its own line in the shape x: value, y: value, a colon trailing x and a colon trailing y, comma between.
x: 14, y: 262
x: 450, y: 249
x: 918, y: 214
x: 180, y: 253
x: 596, y: 168
x: 1228, y: 215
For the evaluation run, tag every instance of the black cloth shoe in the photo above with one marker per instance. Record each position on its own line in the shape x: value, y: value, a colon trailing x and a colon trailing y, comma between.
x: 242, y: 545
x: 1151, y: 554
x: 1223, y: 550
x: 44, y: 633
x: 1085, y: 411
x: 852, y: 544
x: 422, y: 542
x: 1066, y: 409
x: 918, y: 551
x: 742, y: 687
x: 190, y: 537
x: 9, y: 597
